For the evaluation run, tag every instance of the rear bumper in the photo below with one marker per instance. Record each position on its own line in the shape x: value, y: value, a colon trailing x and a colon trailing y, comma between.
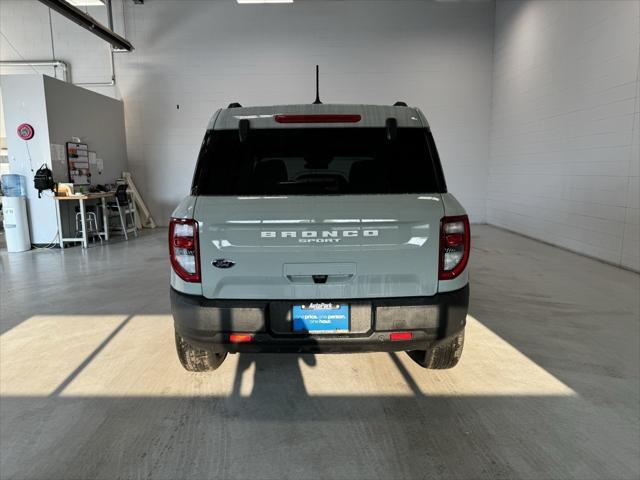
x: 208, y: 323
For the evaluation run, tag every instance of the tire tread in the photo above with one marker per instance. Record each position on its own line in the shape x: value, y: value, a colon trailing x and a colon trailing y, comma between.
x: 441, y: 355
x: 195, y: 359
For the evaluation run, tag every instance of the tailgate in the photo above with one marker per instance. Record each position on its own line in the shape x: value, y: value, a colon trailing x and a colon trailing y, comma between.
x: 319, y: 247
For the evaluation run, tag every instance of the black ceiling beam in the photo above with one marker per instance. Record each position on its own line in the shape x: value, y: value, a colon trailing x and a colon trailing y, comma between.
x: 88, y: 22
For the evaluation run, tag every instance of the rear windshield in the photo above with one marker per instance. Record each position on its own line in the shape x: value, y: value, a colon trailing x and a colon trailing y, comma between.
x: 317, y: 161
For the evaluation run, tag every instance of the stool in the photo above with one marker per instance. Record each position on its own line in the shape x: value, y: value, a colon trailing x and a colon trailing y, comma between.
x: 92, y: 223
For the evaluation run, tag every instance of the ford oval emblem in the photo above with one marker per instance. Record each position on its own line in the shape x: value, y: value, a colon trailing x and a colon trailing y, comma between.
x: 222, y: 263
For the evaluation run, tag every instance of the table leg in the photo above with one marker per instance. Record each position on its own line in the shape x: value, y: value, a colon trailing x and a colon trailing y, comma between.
x: 105, y: 219
x: 59, y: 218
x: 83, y: 218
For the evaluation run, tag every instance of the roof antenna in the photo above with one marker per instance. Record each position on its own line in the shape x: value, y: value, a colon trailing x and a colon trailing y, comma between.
x: 317, y: 102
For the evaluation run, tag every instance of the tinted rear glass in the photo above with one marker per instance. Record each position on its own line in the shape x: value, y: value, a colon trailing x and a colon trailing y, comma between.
x: 316, y: 161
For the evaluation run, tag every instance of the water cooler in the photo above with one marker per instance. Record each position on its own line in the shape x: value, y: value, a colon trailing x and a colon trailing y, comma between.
x: 14, y: 210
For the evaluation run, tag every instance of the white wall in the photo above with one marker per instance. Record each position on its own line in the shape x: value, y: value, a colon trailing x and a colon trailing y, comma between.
x: 24, y: 102
x: 202, y: 55
x: 565, y: 154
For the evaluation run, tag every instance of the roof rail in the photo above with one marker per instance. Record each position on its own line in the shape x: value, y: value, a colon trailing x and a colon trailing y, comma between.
x: 400, y: 104
x: 234, y: 105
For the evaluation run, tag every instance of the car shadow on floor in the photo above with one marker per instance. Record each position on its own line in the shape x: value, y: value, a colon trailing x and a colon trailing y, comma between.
x: 277, y: 429
x: 286, y: 367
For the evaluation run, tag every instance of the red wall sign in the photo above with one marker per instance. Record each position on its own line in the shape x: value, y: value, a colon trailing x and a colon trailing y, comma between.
x: 25, y: 131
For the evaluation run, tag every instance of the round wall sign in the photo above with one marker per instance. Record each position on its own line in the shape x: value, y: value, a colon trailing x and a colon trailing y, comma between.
x: 25, y: 131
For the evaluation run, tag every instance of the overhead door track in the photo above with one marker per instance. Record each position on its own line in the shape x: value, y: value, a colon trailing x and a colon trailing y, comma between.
x: 88, y: 22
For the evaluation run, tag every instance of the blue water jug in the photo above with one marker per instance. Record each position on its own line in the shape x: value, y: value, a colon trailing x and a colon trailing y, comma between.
x: 14, y: 185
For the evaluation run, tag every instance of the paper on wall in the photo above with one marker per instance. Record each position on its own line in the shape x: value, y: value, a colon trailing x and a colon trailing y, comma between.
x: 100, y: 164
x: 92, y: 158
x: 59, y: 163
x: 58, y: 154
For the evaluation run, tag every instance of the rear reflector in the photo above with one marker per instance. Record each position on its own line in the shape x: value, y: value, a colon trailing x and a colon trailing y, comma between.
x: 400, y: 336
x: 183, y: 242
x: 240, y: 338
x: 331, y: 118
x: 454, y: 239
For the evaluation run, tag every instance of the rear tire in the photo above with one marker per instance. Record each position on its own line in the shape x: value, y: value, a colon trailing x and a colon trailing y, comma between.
x: 197, y: 359
x: 441, y: 355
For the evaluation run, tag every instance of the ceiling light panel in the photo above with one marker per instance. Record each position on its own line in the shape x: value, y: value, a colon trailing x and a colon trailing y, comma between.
x: 255, y: 2
x: 86, y: 3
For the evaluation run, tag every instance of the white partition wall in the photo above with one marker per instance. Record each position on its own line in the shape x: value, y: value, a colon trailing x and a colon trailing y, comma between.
x: 23, y: 102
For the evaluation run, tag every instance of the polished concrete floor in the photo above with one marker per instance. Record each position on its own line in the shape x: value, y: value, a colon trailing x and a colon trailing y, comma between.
x: 548, y: 385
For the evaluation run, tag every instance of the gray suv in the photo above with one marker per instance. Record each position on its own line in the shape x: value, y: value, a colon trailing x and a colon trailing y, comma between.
x: 319, y: 228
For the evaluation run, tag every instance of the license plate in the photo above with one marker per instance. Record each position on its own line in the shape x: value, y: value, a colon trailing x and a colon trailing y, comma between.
x: 320, y: 317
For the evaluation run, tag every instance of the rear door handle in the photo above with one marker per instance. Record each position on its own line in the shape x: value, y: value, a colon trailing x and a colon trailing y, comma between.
x: 319, y: 278
x: 319, y: 273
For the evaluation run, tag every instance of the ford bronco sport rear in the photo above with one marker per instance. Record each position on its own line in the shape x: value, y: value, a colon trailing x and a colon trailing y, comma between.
x: 319, y: 228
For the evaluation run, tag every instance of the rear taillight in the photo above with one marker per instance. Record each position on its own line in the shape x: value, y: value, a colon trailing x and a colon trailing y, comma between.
x: 183, y: 249
x: 454, y: 246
